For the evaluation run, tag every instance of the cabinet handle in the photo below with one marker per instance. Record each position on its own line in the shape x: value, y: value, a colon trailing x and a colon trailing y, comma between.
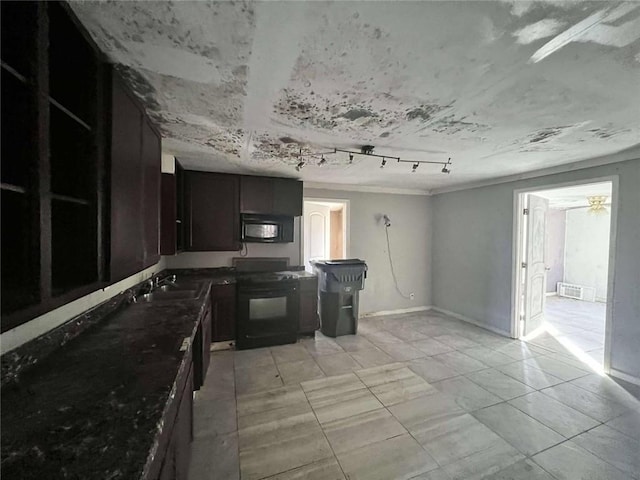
x: 190, y: 222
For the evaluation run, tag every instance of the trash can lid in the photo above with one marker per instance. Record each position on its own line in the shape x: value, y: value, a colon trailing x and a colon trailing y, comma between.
x: 347, y: 261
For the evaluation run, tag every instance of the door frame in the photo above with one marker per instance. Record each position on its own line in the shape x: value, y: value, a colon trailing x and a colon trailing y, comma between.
x: 345, y: 222
x: 519, y: 203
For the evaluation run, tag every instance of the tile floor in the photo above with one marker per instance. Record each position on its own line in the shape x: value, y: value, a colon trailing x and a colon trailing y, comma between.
x: 417, y: 396
x: 582, y: 323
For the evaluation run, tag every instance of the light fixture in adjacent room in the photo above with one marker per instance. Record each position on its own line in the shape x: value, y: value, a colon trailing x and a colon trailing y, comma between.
x: 596, y: 204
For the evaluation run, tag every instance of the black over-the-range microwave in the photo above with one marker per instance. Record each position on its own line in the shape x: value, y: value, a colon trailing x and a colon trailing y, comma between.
x: 266, y: 228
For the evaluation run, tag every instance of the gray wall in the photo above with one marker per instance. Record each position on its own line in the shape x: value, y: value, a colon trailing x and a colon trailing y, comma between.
x: 587, y: 250
x: 223, y: 259
x: 554, y: 247
x: 472, y: 255
x: 410, y: 238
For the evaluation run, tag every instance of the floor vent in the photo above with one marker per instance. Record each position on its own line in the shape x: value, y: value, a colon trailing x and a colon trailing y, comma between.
x: 577, y: 292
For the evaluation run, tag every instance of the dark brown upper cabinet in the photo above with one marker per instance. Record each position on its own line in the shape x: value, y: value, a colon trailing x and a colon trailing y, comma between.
x: 212, y: 220
x: 53, y: 142
x: 135, y: 185
x: 270, y: 196
x: 171, y: 222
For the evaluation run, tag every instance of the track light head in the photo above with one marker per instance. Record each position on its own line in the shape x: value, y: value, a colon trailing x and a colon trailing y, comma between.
x: 322, y: 161
x: 300, y: 165
x: 367, y: 149
x: 384, y: 162
x: 415, y: 167
x: 445, y: 170
x: 350, y: 158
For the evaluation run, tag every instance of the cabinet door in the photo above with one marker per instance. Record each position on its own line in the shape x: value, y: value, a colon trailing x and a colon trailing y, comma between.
x: 206, y: 342
x: 287, y: 197
x: 223, y: 312
x: 168, y: 217
x: 309, y: 322
x: 256, y: 195
x: 183, y: 432
x: 212, y: 218
x: 126, y: 184
x: 151, y: 171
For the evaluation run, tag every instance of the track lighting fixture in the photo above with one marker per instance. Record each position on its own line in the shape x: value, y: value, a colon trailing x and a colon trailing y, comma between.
x: 367, y: 151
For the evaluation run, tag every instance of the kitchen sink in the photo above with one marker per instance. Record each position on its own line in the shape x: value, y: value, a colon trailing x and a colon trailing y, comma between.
x: 174, y: 291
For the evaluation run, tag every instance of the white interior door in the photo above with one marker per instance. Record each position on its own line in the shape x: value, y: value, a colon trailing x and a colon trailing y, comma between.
x: 317, y: 238
x: 534, y: 268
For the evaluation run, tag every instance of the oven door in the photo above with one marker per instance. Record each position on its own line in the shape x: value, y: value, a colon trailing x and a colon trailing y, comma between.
x: 267, y: 315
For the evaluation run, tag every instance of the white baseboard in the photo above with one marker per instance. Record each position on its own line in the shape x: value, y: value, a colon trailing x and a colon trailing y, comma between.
x: 472, y: 321
x: 396, y: 312
x: 551, y: 294
x: 624, y: 376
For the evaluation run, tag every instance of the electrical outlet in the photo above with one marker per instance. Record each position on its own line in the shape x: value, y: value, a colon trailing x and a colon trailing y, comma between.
x: 412, y: 295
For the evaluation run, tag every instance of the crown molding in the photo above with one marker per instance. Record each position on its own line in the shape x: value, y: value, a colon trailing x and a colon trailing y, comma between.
x: 625, y: 155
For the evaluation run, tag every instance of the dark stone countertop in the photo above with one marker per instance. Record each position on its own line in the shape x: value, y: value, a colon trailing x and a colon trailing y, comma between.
x: 95, y: 408
x: 228, y: 275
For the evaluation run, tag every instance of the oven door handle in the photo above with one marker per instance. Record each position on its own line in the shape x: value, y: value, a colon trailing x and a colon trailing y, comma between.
x: 267, y: 292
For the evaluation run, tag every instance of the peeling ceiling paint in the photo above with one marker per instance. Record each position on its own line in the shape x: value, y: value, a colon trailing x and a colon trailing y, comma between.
x: 246, y: 86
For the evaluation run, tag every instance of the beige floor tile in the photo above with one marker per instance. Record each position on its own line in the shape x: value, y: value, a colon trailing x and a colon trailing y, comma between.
x: 613, y: 447
x: 529, y: 375
x: 265, y: 427
x: 460, y: 362
x: 386, y: 373
x: 353, y: 343
x: 456, y: 341
x: 557, y: 368
x: 257, y: 357
x: 431, y: 370
x: 467, y: 394
x: 499, y: 384
x: 520, y: 430
x: 628, y: 423
x: 415, y: 414
x: 488, y: 356
x: 595, y: 406
x: 336, y: 407
x: 359, y: 430
x: 327, y: 469
x: 437, y: 474
x: 451, y: 439
x: 396, y: 458
x: 486, y: 462
x: 402, y: 390
x: 608, y: 388
x: 401, y: 352
x: 326, y: 388
x: 257, y: 378
x: 371, y: 357
x: 521, y: 350
x: 522, y: 470
x: 319, y: 347
x: 554, y: 414
x: 287, y: 453
x: 380, y: 337
x: 290, y: 353
x: 214, y: 417
x: 215, y: 458
x: 271, y: 399
x: 337, y: 363
x: 431, y: 346
x: 299, y: 371
x: 568, y: 461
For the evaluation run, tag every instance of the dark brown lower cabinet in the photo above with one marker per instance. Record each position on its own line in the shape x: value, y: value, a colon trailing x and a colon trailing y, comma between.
x: 202, y: 349
x: 309, y: 321
x: 175, y: 465
x: 223, y: 312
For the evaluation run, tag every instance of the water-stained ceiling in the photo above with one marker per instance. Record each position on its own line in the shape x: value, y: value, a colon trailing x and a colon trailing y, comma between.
x: 500, y: 87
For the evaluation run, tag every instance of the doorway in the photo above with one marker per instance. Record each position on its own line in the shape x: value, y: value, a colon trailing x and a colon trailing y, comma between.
x: 564, y: 248
x: 325, y: 230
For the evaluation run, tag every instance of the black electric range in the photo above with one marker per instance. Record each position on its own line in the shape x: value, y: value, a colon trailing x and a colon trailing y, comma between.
x: 267, y: 303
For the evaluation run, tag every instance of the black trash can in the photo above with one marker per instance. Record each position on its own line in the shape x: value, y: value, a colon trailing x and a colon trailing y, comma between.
x: 339, y: 284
